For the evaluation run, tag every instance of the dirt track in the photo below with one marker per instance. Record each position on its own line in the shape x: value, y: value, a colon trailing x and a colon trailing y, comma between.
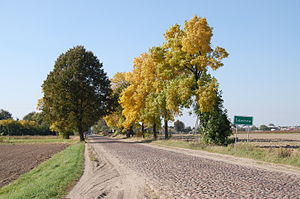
x: 16, y: 159
x: 105, y: 178
x: 179, y: 175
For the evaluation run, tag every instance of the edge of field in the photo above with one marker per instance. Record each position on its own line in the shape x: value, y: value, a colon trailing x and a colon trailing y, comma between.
x: 242, y: 150
x: 277, y: 156
x: 51, y: 179
x: 35, y: 139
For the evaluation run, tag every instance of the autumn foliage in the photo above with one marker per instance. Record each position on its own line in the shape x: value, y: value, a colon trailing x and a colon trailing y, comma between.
x: 170, y: 77
x: 22, y: 127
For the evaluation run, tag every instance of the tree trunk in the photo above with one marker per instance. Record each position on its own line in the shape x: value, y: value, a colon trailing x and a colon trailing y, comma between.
x: 143, y: 130
x: 154, y: 131
x: 65, y: 135
x: 166, y: 129
x: 81, y: 136
x: 131, y: 131
x: 80, y: 131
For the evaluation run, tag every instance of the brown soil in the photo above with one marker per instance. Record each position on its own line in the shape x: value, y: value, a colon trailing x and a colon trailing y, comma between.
x: 271, y: 137
x: 283, y: 139
x: 20, y: 158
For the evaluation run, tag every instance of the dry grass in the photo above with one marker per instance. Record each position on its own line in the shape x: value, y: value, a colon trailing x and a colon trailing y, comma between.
x: 36, y: 139
x: 248, y: 150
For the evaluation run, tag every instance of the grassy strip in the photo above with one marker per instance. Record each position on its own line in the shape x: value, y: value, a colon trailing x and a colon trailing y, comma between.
x: 246, y: 150
x: 49, y: 180
x: 34, y: 140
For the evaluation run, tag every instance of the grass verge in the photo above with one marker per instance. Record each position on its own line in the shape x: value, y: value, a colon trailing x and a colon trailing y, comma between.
x: 246, y: 150
x: 34, y: 139
x: 49, y: 180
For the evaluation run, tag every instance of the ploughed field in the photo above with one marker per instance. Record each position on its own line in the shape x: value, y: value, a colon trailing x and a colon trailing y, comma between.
x: 16, y: 159
x: 178, y: 175
x: 253, y: 136
x: 260, y: 139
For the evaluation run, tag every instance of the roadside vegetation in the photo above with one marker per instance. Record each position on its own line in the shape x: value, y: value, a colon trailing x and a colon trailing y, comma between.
x: 32, y: 124
x: 165, y: 80
x: 51, y: 179
x: 246, y: 150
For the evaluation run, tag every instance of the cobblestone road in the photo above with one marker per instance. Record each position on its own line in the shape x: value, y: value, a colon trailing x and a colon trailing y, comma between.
x: 179, y: 175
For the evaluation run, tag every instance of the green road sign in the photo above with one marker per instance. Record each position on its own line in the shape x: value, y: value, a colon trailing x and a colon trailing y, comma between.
x: 246, y: 120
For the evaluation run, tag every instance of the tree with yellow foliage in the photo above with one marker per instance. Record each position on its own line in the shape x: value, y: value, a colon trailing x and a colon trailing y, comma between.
x: 145, y: 100
x: 170, y: 77
x: 115, y: 119
x: 163, y: 88
x: 136, y: 106
x: 188, y: 52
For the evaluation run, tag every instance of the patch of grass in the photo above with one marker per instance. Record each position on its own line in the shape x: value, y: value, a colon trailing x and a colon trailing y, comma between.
x: 146, y: 140
x: 246, y: 150
x: 49, y: 180
x: 34, y: 139
x: 284, y: 153
x: 92, y: 156
x: 181, y: 144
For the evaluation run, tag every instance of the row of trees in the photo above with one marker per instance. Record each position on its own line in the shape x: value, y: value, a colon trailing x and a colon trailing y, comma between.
x: 163, y: 81
x: 262, y: 127
x: 32, y: 124
x: 171, y: 77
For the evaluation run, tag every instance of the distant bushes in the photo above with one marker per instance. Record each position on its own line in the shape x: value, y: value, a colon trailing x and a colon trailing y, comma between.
x: 23, y: 127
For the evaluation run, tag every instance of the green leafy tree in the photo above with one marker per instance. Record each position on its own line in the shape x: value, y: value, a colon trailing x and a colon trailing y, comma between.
x: 100, y: 127
x: 22, y: 127
x: 115, y: 119
x: 253, y: 128
x: 214, y: 125
x: 35, y: 116
x: 38, y: 117
x: 179, y: 126
x: 5, y: 115
x: 188, y: 129
x: 264, y: 127
x: 29, y: 116
x: 76, y: 93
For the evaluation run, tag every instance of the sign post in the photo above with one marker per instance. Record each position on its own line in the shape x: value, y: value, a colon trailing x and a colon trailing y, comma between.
x: 243, y: 120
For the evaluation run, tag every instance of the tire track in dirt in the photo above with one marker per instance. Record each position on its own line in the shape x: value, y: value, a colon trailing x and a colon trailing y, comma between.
x: 104, y: 178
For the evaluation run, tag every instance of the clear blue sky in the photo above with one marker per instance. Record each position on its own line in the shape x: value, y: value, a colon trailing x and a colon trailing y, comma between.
x: 260, y: 78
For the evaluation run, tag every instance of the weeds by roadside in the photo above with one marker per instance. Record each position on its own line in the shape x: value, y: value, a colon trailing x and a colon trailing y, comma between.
x: 247, y: 150
x: 92, y: 156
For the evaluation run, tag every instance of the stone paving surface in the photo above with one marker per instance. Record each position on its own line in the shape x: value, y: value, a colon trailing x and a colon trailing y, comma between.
x: 179, y: 175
